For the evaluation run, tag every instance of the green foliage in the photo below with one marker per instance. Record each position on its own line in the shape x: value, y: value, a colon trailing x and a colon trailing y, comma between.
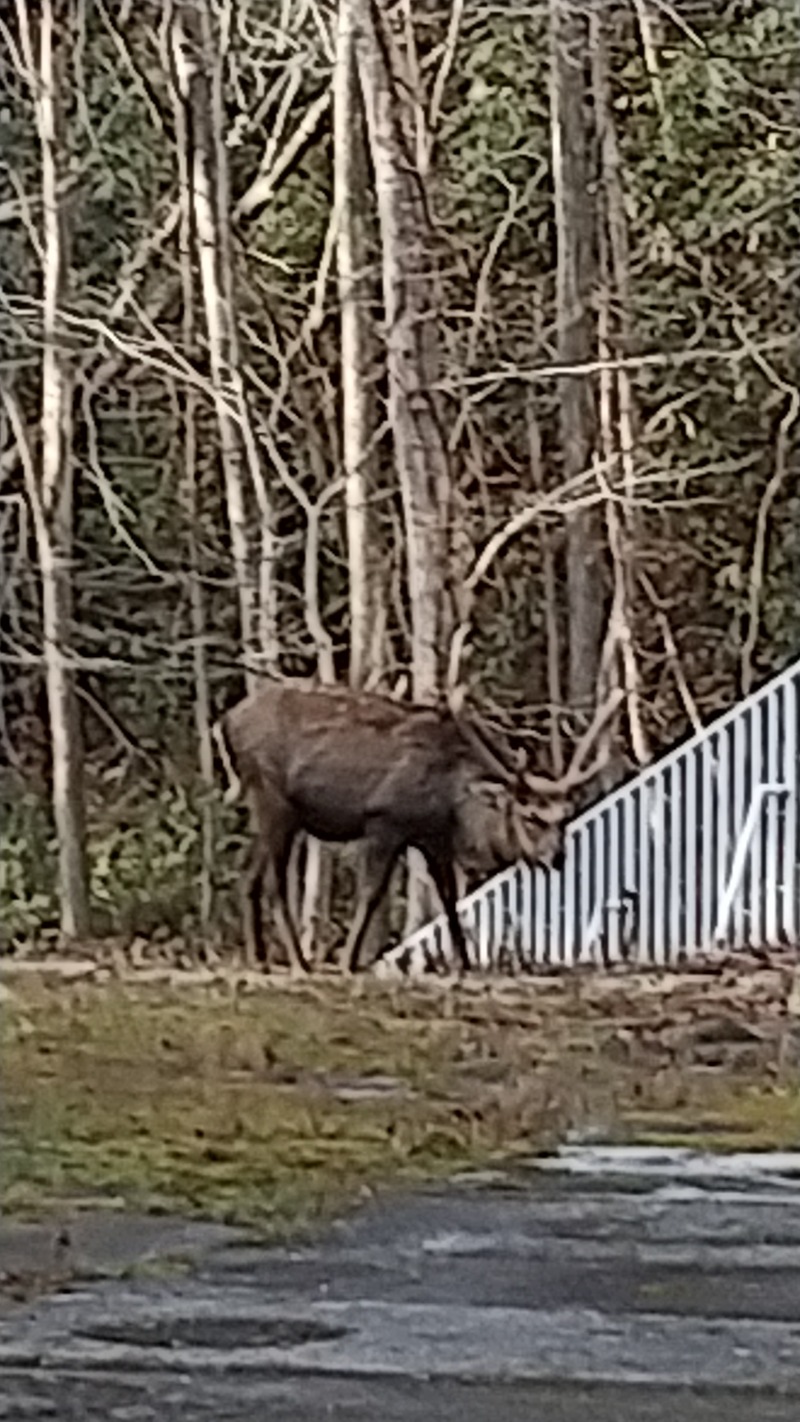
x: 146, y: 864
x: 28, y: 900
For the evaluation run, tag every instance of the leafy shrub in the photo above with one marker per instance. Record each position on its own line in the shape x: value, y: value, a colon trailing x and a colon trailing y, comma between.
x: 145, y: 858
x: 28, y: 900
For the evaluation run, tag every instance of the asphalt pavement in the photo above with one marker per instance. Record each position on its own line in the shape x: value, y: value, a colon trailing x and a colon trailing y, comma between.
x: 609, y: 1283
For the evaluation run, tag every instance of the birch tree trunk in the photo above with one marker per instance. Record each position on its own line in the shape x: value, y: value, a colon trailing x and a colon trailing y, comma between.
x: 576, y: 275
x: 50, y: 488
x: 616, y: 407
x: 411, y: 347
x: 197, y: 77
x: 190, y: 498
x: 357, y: 351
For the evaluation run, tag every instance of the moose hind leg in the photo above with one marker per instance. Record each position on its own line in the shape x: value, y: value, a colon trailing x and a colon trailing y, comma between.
x: 279, y: 886
x: 379, y: 860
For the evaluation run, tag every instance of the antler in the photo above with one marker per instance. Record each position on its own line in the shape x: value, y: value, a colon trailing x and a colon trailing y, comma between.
x: 489, y: 753
x: 576, y: 773
x: 485, y: 754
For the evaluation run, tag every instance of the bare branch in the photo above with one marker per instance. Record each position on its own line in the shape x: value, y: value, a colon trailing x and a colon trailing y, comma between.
x: 678, y: 20
x: 143, y: 87
x: 264, y: 187
x: 20, y: 434
x: 567, y: 497
x: 650, y: 56
x: 445, y: 65
x: 689, y: 703
x: 667, y: 360
x: 498, y: 238
x: 112, y: 502
x: 760, y: 540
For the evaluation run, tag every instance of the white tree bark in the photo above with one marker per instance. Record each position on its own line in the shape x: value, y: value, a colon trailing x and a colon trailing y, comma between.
x: 190, y: 497
x: 411, y: 350
x: 357, y: 349
x: 197, y: 78
x: 50, y: 490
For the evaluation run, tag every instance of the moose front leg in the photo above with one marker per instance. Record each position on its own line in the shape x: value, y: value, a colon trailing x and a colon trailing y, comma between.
x: 298, y: 963
x: 444, y: 877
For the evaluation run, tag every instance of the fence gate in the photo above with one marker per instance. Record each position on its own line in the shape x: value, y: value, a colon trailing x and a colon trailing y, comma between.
x: 701, y: 849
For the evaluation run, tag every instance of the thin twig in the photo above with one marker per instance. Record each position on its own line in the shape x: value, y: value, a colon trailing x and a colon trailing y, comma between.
x: 650, y: 56
x: 673, y: 657
x: 263, y: 188
x: 760, y: 540
x: 667, y: 360
x: 445, y: 65
x: 554, y: 690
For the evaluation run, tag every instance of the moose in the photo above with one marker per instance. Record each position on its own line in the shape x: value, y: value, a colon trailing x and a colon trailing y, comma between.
x: 345, y: 766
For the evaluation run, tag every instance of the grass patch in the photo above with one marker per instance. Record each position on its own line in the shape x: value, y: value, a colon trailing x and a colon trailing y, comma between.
x: 279, y: 1106
x: 754, y: 1116
x: 261, y: 1107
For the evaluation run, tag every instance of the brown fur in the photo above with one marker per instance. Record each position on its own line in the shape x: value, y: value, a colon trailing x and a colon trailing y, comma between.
x: 346, y: 767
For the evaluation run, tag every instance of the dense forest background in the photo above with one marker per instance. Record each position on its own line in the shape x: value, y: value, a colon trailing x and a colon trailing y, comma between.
x: 388, y: 342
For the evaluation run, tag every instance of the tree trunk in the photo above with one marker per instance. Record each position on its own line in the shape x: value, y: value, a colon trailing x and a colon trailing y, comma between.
x: 411, y: 350
x: 618, y: 659
x: 573, y: 180
x: 50, y: 493
x: 357, y: 354
x: 190, y: 497
x: 197, y: 77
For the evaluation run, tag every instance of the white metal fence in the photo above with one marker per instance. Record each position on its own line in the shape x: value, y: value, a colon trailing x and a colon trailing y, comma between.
x: 701, y: 849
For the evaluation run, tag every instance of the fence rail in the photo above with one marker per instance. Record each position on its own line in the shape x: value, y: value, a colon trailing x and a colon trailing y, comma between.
x: 701, y: 849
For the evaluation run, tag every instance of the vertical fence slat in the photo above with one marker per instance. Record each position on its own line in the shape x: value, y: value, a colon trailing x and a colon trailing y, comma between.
x: 599, y: 899
x: 482, y: 930
x: 753, y: 881
x: 614, y: 877
x: 690, y: 866
x: 645, y: 813
x: 525, y: 909
x: 551, y: 882
x: 771, y: 884
x: 789, y: 868
x: 674, y: 866
x: 535, y: 882
x: 584, y: 886
x: 659, y: 867
x: 708, y: 821
x: 629, y: 894
x: 742, y: 789
x: 556, y: 952
x: 565, y: 900
x: 495, y: 920
x: 723, y: 819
